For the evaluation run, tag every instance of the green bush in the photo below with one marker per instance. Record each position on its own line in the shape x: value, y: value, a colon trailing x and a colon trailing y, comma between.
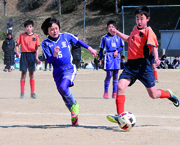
x: 3, y: 35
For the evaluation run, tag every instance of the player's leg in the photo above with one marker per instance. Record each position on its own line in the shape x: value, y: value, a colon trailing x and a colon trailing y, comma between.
x: 106, y: 83
x: 50, y: 65
x: 147, y: 78
x: 159, y: 93
x: 31, y: 57
x: 72, y: 105
x: 32, y: 84
x: 115, y: 82
x: 22, y: 84
x: 23, y: 69
x: 45, y: 65
x: 155, y: 72
x: 120, y: 99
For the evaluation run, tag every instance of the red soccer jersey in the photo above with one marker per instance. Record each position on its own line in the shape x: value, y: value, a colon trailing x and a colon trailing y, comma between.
x: 140, y: 41
x: 28, y: 42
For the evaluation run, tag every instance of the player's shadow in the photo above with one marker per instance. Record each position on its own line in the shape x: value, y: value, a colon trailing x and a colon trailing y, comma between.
x: 112, y: 128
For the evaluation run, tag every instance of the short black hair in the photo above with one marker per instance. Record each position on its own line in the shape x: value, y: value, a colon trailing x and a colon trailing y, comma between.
x: 122, y: 56
x: 143, y: 10
x: 48, y: 23
x: 111, y: 22
x: 28, y: 22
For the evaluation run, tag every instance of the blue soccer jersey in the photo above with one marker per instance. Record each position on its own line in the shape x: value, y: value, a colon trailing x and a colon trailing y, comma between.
x: 62, y: 63
x: 108, y: 45
x: 64, y: 56
x: 111, y: 43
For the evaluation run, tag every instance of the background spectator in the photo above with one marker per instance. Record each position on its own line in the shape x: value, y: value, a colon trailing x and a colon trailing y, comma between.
x: 96, y: 62
x: 76, y: 54
x: 8, y: 48
x: 122, y: 61
x: 45, y: 64
x: 165, y: 63
x: 176, y: 62
x: 9, y: 26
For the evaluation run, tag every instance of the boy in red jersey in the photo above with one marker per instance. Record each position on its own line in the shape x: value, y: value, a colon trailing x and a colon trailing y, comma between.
x: 141, y: 41
x: 29, y: 42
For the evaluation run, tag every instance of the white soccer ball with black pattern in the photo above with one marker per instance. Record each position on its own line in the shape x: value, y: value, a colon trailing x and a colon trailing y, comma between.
x: 126, y: 120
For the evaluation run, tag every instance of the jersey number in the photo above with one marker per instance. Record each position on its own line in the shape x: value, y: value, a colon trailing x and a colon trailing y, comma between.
x: 60, y: 54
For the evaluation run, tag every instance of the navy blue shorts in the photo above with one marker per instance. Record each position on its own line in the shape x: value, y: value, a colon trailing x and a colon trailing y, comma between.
x: 140, y: 69
x: 111, y: 62
x: 64, y: 72
x: 27, y: 61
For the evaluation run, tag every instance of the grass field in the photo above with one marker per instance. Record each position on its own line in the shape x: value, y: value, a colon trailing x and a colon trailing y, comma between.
x: 46, y: 120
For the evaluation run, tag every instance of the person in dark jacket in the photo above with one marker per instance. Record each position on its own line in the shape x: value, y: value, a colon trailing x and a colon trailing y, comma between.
x: 8, y: 48
x: 76, y: 54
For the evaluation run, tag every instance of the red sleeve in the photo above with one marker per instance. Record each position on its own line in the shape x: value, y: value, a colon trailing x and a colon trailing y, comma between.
x: 18, y: 41
x: 151, y: 38
x: 37, y: 41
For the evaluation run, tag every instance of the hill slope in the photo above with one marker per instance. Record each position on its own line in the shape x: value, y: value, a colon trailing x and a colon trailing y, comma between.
x: 95, y: 25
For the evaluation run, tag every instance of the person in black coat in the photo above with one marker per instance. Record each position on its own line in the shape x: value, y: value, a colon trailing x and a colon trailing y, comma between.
x: 76, y: 54
x: 8, y: 48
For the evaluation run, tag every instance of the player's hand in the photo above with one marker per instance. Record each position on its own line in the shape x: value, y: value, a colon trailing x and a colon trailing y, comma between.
x: 100, y: 63
x: 113, y: 31
x: 157, y: 61
x: 56, y: 51
x: 38, y: 61
x: 92, y: 51
x: 116, y: 53
x: 17, y: 54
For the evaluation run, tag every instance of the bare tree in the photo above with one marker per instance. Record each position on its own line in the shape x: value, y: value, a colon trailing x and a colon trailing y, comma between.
x: 5, y: 2
x: 116, y: 6
x: 59, y: 7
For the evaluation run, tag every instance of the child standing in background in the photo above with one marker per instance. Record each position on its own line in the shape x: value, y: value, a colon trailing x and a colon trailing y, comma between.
x: 111, y: 45
x: 29, y: 42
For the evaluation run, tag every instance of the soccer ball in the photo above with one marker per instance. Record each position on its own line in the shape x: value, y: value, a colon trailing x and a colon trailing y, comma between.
x: 126, y: 120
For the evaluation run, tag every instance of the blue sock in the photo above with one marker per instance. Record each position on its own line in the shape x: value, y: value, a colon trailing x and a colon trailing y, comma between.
x: 115, y: 80
x: 107, y: 80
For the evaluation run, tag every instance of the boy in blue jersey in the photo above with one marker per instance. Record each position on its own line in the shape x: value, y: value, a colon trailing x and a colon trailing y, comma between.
x: 110, y: 46
x: 56, y: 49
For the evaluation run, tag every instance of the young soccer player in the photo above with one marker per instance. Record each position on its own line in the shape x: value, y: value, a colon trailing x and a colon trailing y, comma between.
x: 141, y: 41
x: 29, y: 42
x: 110, y: 46
x: 56, y: 49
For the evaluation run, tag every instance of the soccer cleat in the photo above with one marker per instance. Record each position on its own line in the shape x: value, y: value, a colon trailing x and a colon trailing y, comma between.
x: 33, y: 95
x: 114, y: 95
x: 113, y: 119
x: 45, y: 69
x: 74, y: 114
x: 22, y: 96
x: 74, y: 121
x: 9, y: 70
x: 173, y: 98
x: 106, y: 96
x: 5, y: 70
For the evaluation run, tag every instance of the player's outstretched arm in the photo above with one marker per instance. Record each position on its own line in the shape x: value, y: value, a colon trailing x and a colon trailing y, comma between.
x: 92, y: 51
x: 16, y: 49
x: 122, y: 36
x: 155, y: 53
